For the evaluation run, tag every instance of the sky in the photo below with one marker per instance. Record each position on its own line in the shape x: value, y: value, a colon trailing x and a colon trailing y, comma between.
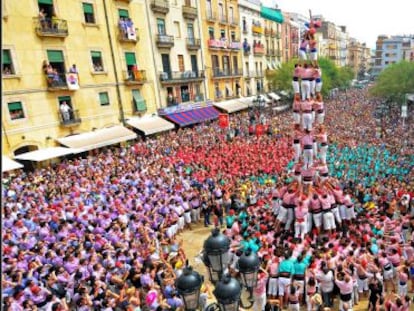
x: 364, y: 19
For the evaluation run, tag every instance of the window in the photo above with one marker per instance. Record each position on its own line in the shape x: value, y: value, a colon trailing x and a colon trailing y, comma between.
x: 88, y: 13
x: 190, y: 31
x: 7, y: 63
x: 231, y: 15
x: 233, y: 36
x: 221, y: 11
x: 16, y: 110
x: 104, y: 98
x: 123, y: 13
x: 222, y: 33
x: 130, y: 60
x: 56, y: 60
x: 139, y: 103
x: 211, y: 32
x: 181, y: 63
x: 161, y: 26
x: 97, y: 61
x: 177, y: 29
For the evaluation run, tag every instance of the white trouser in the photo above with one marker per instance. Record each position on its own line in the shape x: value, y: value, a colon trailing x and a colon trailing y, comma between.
x: 305, y: 89
x: 317, y: 219
x: 284, y: 284
x: 313, y: 55
x: 187, y: 217
x: 301, y: 228
x: 296, y: 148
x: 350, y: 212
x: 302, y: 54
x: 341, y: 303
x: 315, y: 149
x: 195, y: 214
x: 342, y: 212
x: 296, y: 117
x: 181, y: 222
x: 307, y: 157
x: 320, y: 117
x: 259, y: 302
x: 312, y: 87
x: 335, y: 212
x: 296, y: 87
x: 272, y: 286
x: 318, y: 86
x: 282, y: 216
x: 322, y: 153
x: 289, y: 219
x: 362, y: 285
x: 402, y: 289
x: 307, y: 120
x: 328, y: 221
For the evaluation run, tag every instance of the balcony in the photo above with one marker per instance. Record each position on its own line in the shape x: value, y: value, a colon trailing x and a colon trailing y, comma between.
x: 71, y: 120
x: 275, y: 34
x: 51, y: 27
x: 255, y: 74
x: 160, y: 6
x: 164, y: 41
x: 234, y: 22
x: 235, y: 45
x: 189, y: 12
x: 257, y: 30
x: 193, y: 44
x: 246, y: 51
x: 223, y: 19
x: 59, y: 82
x: 181, y: 76
x: 267, y: 32
x: 226, y: 73
x: 245, y: 31
x: 259, y: 50
x: 135, y: 77
x: 211, y: 17
x: 131, y: 37
x: 217, y: 44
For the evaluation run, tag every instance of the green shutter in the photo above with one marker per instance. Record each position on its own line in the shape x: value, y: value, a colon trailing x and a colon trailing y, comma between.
x: 130, y: 59
x: 46, y: 2
x: 87, y: 8
x: 123, y: 13
x: 6, y: 57
x: 15, y: 106
x: 64, y: 98
x: 104, y: 98
x: 55, y: 56
x: 140, y: 104
x: 95, y: 54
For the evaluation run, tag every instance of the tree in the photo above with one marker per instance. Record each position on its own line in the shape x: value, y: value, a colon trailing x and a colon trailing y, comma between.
x: 394, y: 82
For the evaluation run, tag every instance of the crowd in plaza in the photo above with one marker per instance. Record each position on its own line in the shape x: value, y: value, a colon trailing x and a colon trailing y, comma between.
x: 101, y: 232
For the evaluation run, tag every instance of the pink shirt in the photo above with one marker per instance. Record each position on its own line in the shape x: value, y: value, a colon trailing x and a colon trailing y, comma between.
x: 307, y: 140
x: 315, y: 204
x: 289, y: 198
x: 325, y: 203
x: 345, y: 287
x: 296, y: 105
x: 301, y: 211
x: 306, y: 105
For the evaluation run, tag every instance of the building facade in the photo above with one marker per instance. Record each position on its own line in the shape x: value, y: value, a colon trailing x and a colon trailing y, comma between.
x: 222, y: 52
x: 176, y: 48
x: 79, y: 67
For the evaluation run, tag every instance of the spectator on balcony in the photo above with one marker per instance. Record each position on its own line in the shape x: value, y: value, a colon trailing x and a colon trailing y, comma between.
x: 65, y: 111
x: 123, y: 27
x: 246, y: 45
x: 6, y: 70
x: 97, y: 66
x: 73, y: 69
x: 42, y: 19
x: 56, y: 80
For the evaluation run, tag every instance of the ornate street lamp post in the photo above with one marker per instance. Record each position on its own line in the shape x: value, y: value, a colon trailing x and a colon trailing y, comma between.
x: 216, y: 254
x: 188, y: 287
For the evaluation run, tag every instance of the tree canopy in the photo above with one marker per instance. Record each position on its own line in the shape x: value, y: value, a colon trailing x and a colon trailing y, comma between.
x: 394, y: 82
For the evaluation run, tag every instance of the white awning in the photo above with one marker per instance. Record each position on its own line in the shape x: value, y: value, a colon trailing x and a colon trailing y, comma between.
x: 274, y: 96
x: 46, y: 154
x: 232, y: 105
x: 284, y: 93
x: 99, y: 138
x: 281, y: 108
x: 8, y: 164
x: 266, y: 99
x: 246, y: 100
x: 151, y: 124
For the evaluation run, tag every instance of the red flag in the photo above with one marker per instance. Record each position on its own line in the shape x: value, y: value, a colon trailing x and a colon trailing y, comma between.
x: 259, y: 129
x: 223, y: 120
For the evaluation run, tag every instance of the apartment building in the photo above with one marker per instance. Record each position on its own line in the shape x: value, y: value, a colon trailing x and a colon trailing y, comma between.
x: 72, y: 67
x: 176, y: 48
x: 222, y: 53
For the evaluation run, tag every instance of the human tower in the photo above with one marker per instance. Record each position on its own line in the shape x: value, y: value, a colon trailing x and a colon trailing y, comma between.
x: 313, y: 201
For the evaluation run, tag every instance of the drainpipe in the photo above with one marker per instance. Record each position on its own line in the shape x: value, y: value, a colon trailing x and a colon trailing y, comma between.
x: 158, y: 103
x: 118, y: 91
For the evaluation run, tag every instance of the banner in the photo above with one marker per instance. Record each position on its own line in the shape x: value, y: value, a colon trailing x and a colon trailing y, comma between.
x: 260, y: 129
x: 72, y: 81
x: 223, y: 120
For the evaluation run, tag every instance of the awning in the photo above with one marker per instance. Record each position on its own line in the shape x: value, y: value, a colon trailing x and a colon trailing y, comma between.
x: 266, y: 99
x: 272, y: 14
x: 8, y: 164
x: 98, y: 138
x: 193, y: 116
x: 274, y: 96
x: 284, y: 93
x: 281, y: 108
x: 231, y: 105
x: 46, y: 154
x: 247, y: 100
x: 150, y: 125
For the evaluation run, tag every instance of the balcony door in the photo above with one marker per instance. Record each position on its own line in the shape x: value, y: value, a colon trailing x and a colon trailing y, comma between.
x: 226, y: 65
x: 190, y: 33
x: 194, y: 64
x: 166, y: 64
x: 161, y: 26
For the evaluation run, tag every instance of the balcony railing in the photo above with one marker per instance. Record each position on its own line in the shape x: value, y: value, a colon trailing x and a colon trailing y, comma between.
x: 246, y: 51
x: 128, y: 36
x: 223, y: 19
x: 160, y: 6
x: 258, y: 50
x: 257, y: 30
x: 164, y: 41
x: 135, y: 77
x: 70, y: 119
x: 58, y: 81
x: 51, y: 27
x: 219, y: 73
x: 189, y: 12
x: 235, y: 45
x: 179, y: 76
x: 211, y: 16
x: 193, y: 44
x: 233, y: 21
x: 217, y: 44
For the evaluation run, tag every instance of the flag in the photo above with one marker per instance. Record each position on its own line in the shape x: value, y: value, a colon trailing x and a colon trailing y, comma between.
x: 223, y: 120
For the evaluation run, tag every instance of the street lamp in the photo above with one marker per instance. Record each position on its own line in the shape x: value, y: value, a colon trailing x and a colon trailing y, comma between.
x: 188, y: 287
x: 228, y: 292
x: 216, y: 250
x: 248, y: 266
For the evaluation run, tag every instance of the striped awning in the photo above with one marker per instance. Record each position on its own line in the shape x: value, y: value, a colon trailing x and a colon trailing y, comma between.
x: 193, y: 116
